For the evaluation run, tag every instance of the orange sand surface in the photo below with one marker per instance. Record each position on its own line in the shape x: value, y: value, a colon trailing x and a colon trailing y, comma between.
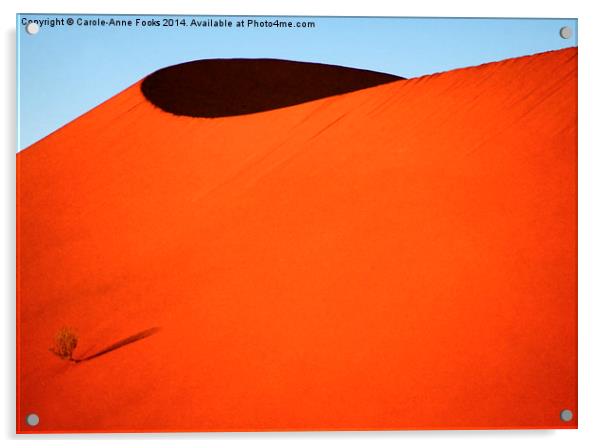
x: 398, y: 257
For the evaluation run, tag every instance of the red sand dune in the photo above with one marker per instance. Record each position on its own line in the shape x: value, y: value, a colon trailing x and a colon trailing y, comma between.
x: 402, y: 256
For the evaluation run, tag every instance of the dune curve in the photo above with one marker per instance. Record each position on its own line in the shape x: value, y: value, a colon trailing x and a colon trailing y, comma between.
x: 397, y: 257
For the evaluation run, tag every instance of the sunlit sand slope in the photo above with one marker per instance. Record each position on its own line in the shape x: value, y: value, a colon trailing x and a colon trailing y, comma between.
x: 401, y: 256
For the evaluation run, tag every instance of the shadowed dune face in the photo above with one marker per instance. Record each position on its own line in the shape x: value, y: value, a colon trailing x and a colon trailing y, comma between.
x: 226, y: 87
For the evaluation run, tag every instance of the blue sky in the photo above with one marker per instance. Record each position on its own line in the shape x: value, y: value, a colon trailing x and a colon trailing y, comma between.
x: 64, y: 71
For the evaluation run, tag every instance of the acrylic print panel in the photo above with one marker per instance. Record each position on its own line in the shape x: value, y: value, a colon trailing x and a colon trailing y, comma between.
x: 296, y: 223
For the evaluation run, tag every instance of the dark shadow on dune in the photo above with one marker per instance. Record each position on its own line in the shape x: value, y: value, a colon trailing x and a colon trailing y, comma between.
x: 123, y: 342
x: 225, y: 87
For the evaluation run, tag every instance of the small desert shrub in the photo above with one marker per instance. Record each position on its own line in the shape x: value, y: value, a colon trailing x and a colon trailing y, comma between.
x: 65, y: 341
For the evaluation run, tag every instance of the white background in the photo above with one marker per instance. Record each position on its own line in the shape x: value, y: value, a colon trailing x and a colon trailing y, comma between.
x: 589, y: 433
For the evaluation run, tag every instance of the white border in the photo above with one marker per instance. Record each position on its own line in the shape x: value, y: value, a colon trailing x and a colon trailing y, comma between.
x: 590, y: 219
